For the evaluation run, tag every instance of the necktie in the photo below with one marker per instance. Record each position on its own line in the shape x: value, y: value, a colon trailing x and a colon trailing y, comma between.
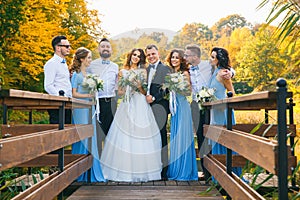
x: 63, y: 61
x: 105, y: 62
x: 193, y: 68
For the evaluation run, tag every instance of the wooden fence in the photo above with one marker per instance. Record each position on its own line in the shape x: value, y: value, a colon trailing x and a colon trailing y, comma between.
x: 275, y: 156
x: 39, y: 145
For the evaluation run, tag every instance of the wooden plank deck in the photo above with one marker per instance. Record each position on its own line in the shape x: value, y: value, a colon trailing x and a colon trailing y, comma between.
x: 149, y: 190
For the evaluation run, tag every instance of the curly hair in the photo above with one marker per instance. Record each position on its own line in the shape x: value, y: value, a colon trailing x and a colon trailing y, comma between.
x: 183, y: 64
x: 80, y: 53
x: 222, y: 57
x: 142, y: 61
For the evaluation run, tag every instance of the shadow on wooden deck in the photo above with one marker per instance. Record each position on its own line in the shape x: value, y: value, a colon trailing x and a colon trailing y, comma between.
x: 148, y: 190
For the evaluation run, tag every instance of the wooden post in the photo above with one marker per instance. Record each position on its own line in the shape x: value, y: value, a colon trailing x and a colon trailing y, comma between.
x: 282, y: 138
x: 229, y: 127
x: 60, y: 127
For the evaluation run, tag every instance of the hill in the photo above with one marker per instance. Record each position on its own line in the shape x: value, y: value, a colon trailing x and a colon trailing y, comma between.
x: 136, y: 33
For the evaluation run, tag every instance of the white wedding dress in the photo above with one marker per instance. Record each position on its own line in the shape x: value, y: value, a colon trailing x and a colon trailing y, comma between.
x: 132, y: 148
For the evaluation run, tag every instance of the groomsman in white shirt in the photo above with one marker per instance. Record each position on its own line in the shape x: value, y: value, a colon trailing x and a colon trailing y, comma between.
x: 57, y: 76
x: 108, y: 72
x: 200, y: 74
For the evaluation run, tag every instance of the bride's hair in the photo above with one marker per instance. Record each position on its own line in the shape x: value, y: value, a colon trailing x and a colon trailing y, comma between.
x: 141, y: 63
x: 80, y: 53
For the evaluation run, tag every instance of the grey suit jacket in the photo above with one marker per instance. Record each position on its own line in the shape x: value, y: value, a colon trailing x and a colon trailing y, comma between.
x: 156, y: 84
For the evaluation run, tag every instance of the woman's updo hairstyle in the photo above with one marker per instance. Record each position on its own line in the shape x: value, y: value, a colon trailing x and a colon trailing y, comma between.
x: 81, y: 53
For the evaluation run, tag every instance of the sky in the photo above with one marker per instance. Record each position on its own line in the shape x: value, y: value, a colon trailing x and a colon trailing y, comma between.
x: 119, y: 16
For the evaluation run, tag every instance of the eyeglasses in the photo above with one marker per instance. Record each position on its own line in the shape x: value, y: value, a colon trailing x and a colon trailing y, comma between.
x: 64, y: 45
x: 136, y: 55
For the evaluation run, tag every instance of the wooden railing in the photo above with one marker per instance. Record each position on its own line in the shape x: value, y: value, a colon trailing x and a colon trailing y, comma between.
x: 275, y: 156
x: 39, y: 145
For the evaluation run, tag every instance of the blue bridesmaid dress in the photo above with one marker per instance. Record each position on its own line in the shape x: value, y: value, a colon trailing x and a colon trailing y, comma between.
x: 182, y: 163
x: 81, y: 116
x: 219, y: 117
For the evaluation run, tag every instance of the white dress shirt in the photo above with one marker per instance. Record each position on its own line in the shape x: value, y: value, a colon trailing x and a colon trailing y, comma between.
x: 200, y: 77
x: 57, y: 77
x: 152, y: 72
x: 109, y: 74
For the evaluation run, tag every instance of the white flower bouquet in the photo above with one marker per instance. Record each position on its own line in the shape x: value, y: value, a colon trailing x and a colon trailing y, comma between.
x: 134, y: 79
x: 93, y: 82
x: 178, y: 83
x: 206, y: 95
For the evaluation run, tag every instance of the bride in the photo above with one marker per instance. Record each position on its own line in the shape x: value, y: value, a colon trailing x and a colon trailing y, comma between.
x: 132, y: 146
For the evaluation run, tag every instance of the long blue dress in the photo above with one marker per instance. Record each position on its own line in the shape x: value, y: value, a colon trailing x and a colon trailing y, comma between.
x: 218, y: 116
x: 81, y: 116
x: 182, y: 163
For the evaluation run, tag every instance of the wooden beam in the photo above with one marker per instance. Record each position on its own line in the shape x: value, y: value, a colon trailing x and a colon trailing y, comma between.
x: 21, y: 129
x: 20, y: 149
x: 19, y: 99
x: 237, y: 160
x: 50, y: 187
x: 271, y: 130
x: 259, y: 151
x: 50, y: 160
x: 253, y: 101
x: 236, y: 189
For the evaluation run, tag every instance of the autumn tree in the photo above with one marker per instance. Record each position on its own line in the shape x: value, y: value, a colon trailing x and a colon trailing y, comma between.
x: 28, y: 51
x: 195, y: 33
x: 12, y: 15
x: 261, y: 61
x: 238, y: 38
x: 223, y: 29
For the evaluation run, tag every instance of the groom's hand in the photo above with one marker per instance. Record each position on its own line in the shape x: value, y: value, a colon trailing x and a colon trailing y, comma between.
x: 226, y: 74
x: 149, y: 99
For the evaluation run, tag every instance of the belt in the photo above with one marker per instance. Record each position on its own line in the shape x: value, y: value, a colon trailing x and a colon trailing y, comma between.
x: 106, y: 99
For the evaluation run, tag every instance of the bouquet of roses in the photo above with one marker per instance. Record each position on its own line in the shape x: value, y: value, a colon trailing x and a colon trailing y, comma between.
x: 206, y: 95
x: 93, y: 82
x: 178, y: 83
x: 134, y: 79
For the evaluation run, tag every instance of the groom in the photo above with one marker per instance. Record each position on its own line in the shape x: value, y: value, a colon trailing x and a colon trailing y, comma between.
x: 156, y: 72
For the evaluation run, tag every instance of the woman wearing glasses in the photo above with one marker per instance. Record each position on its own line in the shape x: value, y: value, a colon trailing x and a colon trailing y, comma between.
x: 132, y: 146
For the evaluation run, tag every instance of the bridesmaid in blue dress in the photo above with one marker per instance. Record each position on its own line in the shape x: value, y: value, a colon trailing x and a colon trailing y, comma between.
x: 81, y: 61
x: 182, y: 163
x: 220, y: 61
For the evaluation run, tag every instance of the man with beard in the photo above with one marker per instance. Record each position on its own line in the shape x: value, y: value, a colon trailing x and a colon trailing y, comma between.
x: 108, y: 72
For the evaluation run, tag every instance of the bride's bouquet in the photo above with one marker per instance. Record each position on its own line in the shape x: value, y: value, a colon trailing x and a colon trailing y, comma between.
x: 206, y: 95
x: 178, y: 83
x: 135, y: 79
x: 93, y: 82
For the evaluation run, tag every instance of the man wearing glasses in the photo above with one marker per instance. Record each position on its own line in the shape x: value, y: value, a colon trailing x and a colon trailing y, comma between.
x: 200, y: 74
x: 57, y: 76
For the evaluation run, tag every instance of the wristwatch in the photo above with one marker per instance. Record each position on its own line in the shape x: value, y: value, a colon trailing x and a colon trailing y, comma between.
x: 153, y: 98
